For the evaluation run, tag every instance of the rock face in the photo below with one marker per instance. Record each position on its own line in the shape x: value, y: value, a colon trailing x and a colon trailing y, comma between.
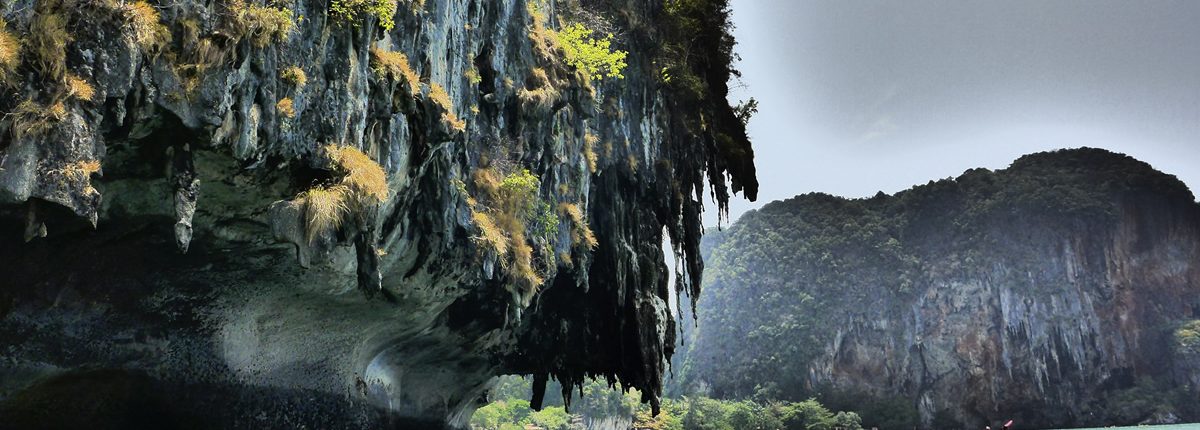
x: 206, y: 190
x: 1050, y: 292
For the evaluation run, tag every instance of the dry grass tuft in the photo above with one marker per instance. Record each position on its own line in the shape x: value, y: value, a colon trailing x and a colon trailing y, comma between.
x: 539, y: 78
x: 539, y: 94
x: 31, y: 118
x: 506, y: 203
x: 395, y: 65
x: 324, y: 209
x: 295, y: 75
x: 522, y: 267
x: 589, y: 151
x: 362, y: 174
x: 489, y: 234
x: 148, y: 30
x: 286, y: 107
x: 488, y: 181
x: 79, y: 88
x: 571, y: 211
x: 545, y: 41
x: 262, y: 24
x: 586, y: 237
x: 10, y: 54
x: 197, y: 56
x: 57, y: 111
x: 439, y: 96
x: 80, y: 171
x: 582, y: 233
x: 453, y: 122
x: 48, y: 39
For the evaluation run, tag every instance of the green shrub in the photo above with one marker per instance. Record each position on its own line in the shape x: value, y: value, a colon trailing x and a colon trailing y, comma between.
x: 506, y: 211
x: 598, y: 400
x: 592, y: 55
x: 669, y: 418
x: 1187, y: 337
x: 552, y: 418
x: 473, y: 76
x: 352, y: 11
x: 496, y: 415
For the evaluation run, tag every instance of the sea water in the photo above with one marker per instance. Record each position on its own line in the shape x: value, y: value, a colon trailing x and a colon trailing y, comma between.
x: 1162, y: 427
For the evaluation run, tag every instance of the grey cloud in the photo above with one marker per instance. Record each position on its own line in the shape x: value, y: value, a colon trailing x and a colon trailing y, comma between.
x: 862, y: 96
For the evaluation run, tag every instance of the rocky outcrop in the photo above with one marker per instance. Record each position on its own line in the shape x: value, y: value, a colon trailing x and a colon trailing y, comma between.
x: 195, y: 196
x: 1048, y: 292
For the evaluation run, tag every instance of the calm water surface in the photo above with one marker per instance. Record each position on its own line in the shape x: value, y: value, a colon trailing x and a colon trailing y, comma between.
x: 1167, y: 427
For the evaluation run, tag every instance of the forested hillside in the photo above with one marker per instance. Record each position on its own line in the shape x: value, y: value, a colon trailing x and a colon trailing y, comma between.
x: 1050, y: 291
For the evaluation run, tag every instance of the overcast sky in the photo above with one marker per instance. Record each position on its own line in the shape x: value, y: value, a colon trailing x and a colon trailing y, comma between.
x: 857, y: 97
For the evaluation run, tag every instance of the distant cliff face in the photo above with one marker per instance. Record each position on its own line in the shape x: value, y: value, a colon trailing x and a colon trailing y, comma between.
x: 342, y: 213
x: 1056, y: 292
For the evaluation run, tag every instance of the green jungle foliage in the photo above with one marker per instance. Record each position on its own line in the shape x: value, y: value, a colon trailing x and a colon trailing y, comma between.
x: 593, y: 55
x: 519, y: 189
x: 510, y: 410
x: 353, y: 11
x: 781, y: 281
x: 1144, y: 398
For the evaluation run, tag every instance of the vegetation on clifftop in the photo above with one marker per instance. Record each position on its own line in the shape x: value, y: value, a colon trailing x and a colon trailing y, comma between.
x: 786, y: 282
x: 697, y: 64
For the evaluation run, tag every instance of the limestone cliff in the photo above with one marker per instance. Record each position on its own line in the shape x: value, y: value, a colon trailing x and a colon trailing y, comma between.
x: 1048, y: 292
x: 344, y: 213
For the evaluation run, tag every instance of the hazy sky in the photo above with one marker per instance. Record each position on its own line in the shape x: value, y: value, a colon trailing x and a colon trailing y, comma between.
x: 857, y: 97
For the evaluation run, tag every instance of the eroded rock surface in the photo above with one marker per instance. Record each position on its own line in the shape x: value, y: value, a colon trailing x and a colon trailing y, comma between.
x: 173, y: 260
